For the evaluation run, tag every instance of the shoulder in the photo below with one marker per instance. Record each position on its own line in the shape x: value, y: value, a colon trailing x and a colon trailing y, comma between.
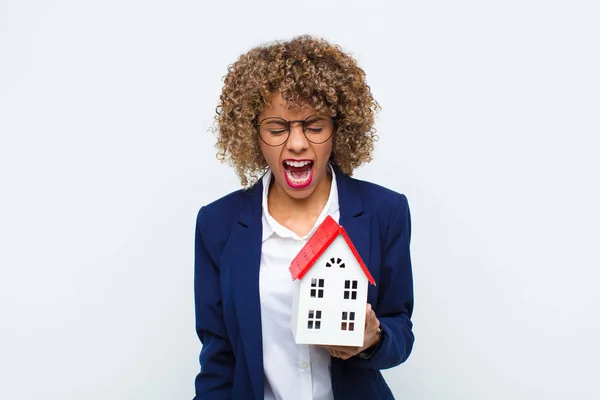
x: 219, y: 216
x: 379, y: 199
x: 388, y: 208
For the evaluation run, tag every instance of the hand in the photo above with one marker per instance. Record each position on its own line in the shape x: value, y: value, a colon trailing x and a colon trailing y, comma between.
x: 371, y: 338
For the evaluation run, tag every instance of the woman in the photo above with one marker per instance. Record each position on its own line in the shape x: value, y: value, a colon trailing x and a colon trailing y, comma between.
x: 294, y: 120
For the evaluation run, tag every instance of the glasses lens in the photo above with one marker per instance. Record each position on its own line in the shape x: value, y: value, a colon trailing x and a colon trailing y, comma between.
x: 318, y: 128
x: 274, y: 131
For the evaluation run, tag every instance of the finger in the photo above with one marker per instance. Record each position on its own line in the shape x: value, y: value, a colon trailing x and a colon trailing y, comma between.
x: 340, y: 348
x: 343, y: 352
x: 350, y: 354
x: 370, y: 318
x: 339, y: 354
x: 335, y: 349
x: 348, y: 349
x: 330, y: 350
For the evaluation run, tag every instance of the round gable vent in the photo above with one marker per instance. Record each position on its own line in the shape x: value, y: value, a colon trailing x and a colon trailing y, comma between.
x: 335, y: 262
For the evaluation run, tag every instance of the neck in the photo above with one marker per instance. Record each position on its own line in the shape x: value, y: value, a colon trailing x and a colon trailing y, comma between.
x: 288, y: 207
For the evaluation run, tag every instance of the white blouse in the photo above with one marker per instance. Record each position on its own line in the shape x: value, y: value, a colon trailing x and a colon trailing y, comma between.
x: 292, y: 371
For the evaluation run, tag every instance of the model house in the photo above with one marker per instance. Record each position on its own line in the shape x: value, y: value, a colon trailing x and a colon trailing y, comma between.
x: 330, y: 290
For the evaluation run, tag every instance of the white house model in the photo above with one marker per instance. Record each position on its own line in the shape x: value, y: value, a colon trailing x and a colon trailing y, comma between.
x: 330, y: 289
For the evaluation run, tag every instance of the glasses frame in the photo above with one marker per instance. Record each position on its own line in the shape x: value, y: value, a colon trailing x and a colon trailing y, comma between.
x: 289, y: 128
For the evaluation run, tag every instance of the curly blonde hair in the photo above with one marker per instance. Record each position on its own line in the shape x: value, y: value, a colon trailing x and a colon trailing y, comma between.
x: 306, y: 71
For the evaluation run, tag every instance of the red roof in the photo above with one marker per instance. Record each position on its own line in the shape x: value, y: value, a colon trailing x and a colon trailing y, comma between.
x: 317, y: 244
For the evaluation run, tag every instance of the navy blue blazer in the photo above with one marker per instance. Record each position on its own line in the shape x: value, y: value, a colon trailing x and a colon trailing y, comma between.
x: 228, y: 318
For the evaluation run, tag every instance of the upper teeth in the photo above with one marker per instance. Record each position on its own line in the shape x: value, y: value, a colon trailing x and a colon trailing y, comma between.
x: 297, y: 163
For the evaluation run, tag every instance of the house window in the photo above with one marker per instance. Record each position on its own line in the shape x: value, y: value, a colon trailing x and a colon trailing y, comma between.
x: 348, y: 321
x: 314, y: 319
x: 316, y: 287
x: 350, y: 290
x: 335, y: 261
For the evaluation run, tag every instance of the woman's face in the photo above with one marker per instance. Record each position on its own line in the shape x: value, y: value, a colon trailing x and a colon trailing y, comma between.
x: 298, y: 166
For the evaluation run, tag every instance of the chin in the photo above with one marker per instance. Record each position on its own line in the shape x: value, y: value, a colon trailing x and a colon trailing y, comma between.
x: 299, y: 194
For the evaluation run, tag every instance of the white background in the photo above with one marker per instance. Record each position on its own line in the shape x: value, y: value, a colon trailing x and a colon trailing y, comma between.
x: 490, y: 126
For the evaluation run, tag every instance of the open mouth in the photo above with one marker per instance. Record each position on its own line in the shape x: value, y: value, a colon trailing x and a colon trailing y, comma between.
x: 298, y: 173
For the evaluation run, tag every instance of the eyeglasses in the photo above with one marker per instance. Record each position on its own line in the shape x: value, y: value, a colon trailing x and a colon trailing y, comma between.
x: 275, y: 131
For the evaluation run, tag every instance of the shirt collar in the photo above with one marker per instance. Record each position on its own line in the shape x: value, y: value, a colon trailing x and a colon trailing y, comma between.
x: 271, y: 226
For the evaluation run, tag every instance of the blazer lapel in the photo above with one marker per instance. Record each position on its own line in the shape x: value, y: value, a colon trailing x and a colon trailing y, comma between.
x: 353, y: 218
x: 243, y: 255
x: 357, y: 224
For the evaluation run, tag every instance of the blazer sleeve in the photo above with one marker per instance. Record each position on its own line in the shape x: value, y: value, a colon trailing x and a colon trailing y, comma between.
x: 395, y: 295
x: 217, y: 361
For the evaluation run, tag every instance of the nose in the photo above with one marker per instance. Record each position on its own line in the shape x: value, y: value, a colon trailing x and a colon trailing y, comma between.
x: 297, y: 142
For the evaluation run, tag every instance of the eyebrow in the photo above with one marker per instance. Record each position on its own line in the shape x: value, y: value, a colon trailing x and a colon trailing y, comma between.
x: 308, y: 118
